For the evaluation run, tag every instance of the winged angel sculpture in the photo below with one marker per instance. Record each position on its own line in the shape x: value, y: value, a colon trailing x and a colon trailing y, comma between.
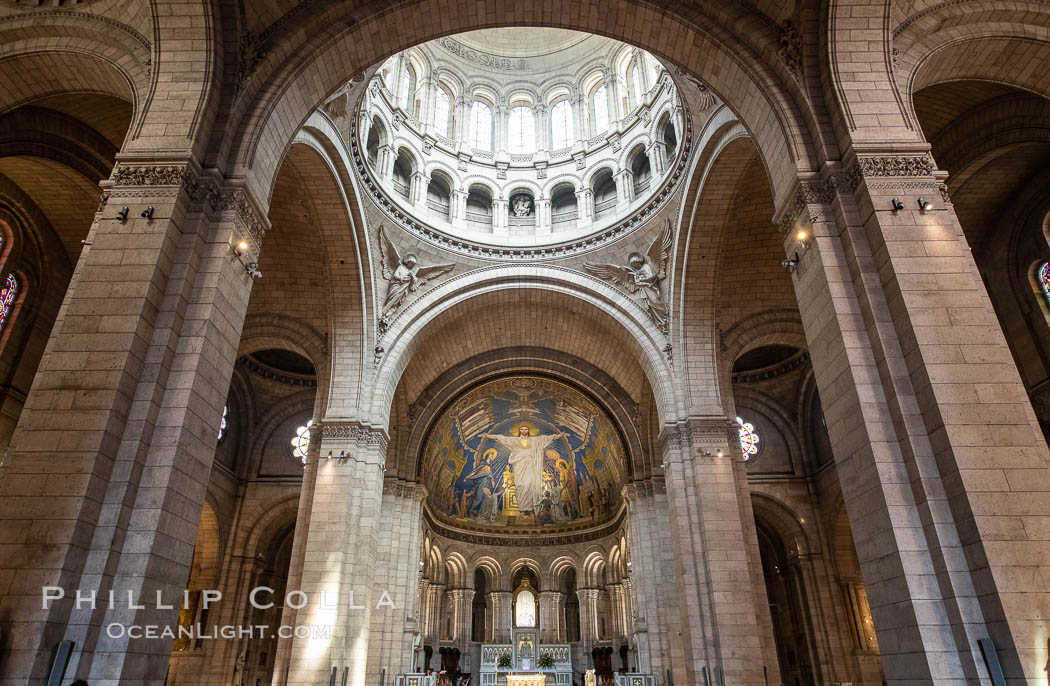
x: 404, y: 275
x: 642, y: 275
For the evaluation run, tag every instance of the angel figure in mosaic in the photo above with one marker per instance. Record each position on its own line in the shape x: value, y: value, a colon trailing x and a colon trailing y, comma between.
x: 404, y: 275
x: 642, y: 275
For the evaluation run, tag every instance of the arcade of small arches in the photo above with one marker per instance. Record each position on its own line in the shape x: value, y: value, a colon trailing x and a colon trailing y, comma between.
x: 569, y: 145
x: 667, y: 347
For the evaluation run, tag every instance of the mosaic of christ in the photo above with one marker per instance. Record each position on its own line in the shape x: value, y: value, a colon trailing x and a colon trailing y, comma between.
x: 524, y: 451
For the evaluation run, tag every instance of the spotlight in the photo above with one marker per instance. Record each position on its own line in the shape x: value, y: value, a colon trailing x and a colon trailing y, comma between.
x: 148, y: 212
x: 242, y: 247
x: 790, y: 264
x: 123, y: 214
x: 252, y: 269
x: 925, y: 205
x: 897, y: 204
x: 803, y: 238
x: 421, y: 563
x: 628, y: 563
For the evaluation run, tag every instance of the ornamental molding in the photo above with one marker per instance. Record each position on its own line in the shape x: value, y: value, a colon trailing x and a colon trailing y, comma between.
x: 536, y: 536
x: 895, y: 165
x: 179, y: 175
x: 362, y: 435
x: 404, y: 489
x: 582, y: 245
x: 480, y: 58
x: 791, y: 364
x: 236, y: 204
x: 790, y: 50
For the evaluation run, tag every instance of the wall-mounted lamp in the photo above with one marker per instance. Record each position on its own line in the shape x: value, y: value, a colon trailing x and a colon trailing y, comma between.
x: 925, y: 205
x: 252, y: 269
x: 897, y: 205
x: 628, y: 563
x: 241, y: 248
x: 122, y: 214
x: 803, y: 238
x: 148, y: 212
x: 790, y: 264
x: 663, y: 465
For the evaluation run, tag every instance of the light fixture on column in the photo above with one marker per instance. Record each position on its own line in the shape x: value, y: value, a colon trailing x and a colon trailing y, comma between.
x: 790, y: 264
x: 148, y: 212
x: 925, y: 205
x: 897, y: 204
x: 252, y: 269
x: 803, y: 238
x: 122, y: 214
x: 241, y: 248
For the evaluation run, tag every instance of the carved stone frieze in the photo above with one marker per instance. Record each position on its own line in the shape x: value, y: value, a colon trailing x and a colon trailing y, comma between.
x: 236, y: 202
x: 895, y: 165
x: 404, y: 489
x: 153, y: 175
x: 358, y: 433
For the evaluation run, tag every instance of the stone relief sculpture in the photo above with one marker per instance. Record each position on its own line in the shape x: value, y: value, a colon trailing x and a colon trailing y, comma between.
x: 521, y: 206
x: 404, y: 276
x: 642, y: 275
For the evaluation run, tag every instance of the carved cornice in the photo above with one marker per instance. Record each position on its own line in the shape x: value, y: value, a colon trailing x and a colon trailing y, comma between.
x: 895, y: 165
x: 771, y: 372
x: 404, y: 489
x: 480, y: 58
x: 534, y: 537
x: 362, y: 435
x: 148, y: 175
x: 698, y: 433
x: 236, y: 204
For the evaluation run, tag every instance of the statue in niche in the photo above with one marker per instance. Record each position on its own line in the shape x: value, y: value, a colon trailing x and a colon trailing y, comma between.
x: 404, y: 275
x: 521, y: 206
x: 642, y: 275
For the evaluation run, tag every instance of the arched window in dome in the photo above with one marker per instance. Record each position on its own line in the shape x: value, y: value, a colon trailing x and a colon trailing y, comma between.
x: 7, y: 298
x: 1044, y: 280
x: 521, y: 131
x: 481, y: 126
x: 408, y: 87
x: 749, y: 439
x: 301, y: 442
x: 600, y: 108
x: 562, y: 134
x: 636, y: 84
x: 442, y: 108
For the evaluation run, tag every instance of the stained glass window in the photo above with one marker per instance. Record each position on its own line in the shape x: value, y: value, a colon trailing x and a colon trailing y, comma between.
x: 748, y: 439
x: 561, y: 125
x: 441, y: 108
x: 521, y: 130
x: 224, y: 422
x: 7, y: 298
x: 1044, y: 279
x: 301, y: 442
x: 481, y: 126
x: 600, y: 105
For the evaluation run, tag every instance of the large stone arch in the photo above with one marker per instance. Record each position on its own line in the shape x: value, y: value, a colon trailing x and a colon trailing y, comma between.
x: 505, y: 288
x: 344, y: 41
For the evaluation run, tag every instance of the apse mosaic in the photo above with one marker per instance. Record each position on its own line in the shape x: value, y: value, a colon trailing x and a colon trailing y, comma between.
x: 524, y: 451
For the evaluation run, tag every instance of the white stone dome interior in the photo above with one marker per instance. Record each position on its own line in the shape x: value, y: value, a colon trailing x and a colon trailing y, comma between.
x: 520, y: 137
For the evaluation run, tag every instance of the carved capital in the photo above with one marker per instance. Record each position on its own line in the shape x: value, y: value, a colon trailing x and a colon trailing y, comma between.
x: 895, y: 165
x: 355, y: 432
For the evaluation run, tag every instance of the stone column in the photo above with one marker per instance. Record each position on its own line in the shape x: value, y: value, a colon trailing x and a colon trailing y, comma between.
x: 624, y: 188
x: 717, y: 599
x: 461, y: 121
x: 549, y: 623
x: 462, y: 615
x: 584, y: 205
x: 941, y: 460
x: 502, y: 615
x: 542, y: 122
x: 500, y: 216
x: 588, y: 616
x: 580, y: 121
x: 385, y: 162
x: 459, y: 205
x: 418, y: 192
x: 339, y: 556
x: 657, y: 157
x: 543, y: 216
x: 397, y: 574
x: 435, y: 596
x: 108, y: 465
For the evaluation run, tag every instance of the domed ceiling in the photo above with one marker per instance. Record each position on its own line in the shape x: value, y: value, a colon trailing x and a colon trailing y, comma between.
x: 523, y: 454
